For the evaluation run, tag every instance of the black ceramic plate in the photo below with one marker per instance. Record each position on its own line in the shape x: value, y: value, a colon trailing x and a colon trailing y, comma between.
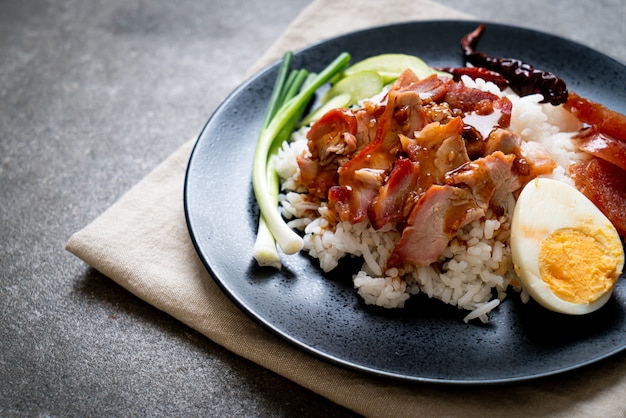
x: 321, y: 313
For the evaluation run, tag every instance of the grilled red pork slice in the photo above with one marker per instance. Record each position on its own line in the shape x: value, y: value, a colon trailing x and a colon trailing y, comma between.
x: 333, y: 136
x: 485, y: 177
x: 438, y: 148
x: 430, y: 89
x: 403, y: 115
x: 504, y: 140
x: 332, y: 141
x: 468, y: 99
x: 316, y: 178
x: 532, y: 158
x: 395, y: 197
x: 367, y: 122
x: 434, y: 220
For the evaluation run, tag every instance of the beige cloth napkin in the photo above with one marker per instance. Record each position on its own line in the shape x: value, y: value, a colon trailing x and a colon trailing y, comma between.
x: 142, y: 243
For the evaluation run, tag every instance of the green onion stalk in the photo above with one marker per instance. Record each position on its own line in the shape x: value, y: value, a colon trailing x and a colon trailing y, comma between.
x: 291, y: 94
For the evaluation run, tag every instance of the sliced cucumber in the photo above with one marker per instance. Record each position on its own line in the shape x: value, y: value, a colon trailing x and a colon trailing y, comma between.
x: 359, y: 85
x: 390, y: 66
x: 341, y: 100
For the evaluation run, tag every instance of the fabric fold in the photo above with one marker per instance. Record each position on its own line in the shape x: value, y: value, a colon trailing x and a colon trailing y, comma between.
x: 142, y: 243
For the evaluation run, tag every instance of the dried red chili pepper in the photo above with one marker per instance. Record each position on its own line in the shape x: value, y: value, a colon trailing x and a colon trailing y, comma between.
x: 523, y: 78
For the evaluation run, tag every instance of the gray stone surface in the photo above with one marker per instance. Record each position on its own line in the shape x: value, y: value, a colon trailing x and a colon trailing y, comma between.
x: 93, y: 95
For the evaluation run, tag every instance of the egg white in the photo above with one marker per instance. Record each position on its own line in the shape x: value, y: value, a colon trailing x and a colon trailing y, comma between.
x: 544, y: 206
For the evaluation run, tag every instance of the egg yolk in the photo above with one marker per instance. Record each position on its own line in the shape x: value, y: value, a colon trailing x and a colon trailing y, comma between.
x: 575, y: 266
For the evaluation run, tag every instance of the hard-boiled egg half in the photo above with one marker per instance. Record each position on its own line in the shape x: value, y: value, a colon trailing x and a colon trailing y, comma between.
x: 566, y: 253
